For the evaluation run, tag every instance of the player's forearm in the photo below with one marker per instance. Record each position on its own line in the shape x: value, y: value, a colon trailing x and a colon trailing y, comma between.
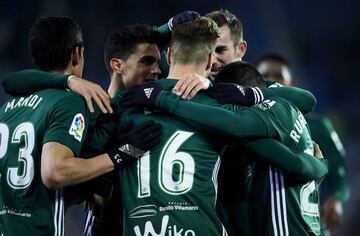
x: 29, y: 81
x: 299, y: 165
x: 301, y: 98
x: 165, y: 38
x: 75, y: 170
x: 236, y: 124
x: 59, y: 167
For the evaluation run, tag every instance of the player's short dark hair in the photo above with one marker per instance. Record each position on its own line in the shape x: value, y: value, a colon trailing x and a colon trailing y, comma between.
x: 123, y: 41
x: 193, y: 41
x: 224, y: 17
x: 51, y: 41
x: 241, y: 73
x: 274, y: 57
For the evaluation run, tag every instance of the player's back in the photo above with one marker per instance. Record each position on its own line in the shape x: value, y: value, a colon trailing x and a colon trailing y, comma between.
x: 172, y: 189
x: 280, y: 204
x: 26, y: 205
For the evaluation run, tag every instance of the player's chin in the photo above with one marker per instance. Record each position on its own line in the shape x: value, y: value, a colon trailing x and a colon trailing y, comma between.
x: 214, y: 73
x: 148, y: 80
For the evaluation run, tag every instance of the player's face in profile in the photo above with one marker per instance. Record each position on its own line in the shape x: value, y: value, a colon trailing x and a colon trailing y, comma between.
x: 275, y: 71
x: 225, y: 51
x: 142, y: 66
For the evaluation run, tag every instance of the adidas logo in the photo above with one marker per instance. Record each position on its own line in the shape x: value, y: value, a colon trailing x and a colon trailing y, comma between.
x: 125, y: 148
x: 148, y: 92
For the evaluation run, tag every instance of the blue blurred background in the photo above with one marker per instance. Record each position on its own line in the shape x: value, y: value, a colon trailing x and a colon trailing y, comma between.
x: 321, y: 39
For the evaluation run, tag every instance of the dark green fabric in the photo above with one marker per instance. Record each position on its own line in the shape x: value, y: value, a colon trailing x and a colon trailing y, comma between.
x: 323, y: 133
x: 28, y: 207
x: 29, y: 81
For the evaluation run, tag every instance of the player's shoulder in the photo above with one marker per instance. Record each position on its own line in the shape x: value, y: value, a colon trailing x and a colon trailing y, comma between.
x: 56, y: 95
x: 57, y: 99
x: 274, y: 103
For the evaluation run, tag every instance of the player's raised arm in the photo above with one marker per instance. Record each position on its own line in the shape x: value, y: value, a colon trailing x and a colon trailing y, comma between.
x: 29, y: 81
x: 239, y: 124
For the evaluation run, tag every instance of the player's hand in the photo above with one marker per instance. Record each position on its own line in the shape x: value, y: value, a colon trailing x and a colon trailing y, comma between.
x: 190, y: 84
x: 183, y: 17
x: 141, y: 95
x: 90, y: 91
x: 332, y: 214
x: 229, y: 93
x: 133, y: 144
x: 317, y: 151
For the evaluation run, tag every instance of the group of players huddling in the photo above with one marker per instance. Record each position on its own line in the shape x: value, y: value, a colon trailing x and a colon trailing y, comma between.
x: 187, y: 140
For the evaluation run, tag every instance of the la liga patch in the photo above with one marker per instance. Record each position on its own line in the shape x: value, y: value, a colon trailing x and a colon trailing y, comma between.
x: 77, y: 127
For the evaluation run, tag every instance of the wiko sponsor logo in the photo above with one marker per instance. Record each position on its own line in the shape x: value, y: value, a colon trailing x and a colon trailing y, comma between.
x: 166, y: 229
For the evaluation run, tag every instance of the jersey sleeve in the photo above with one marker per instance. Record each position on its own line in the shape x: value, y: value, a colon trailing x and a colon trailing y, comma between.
x: 68, y: 124
x: 29, y: 81
x: 165, y: 34
x: 236, y: 123
x: 299, y: 165
x: 333, y: 150
x: 165, y: 37
x: 302, y: 99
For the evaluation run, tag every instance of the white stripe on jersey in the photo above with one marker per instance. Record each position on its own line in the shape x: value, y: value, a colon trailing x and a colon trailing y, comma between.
x: 214, y: 180
x: 272, y: 202
x: 215, y: 174
x: 89, y: 223
x: 224, y: 231
x: 62, y: 212
x: 284, y: 204
x: 278, y: 213
x: 59, y: 213
x: 278, y: 202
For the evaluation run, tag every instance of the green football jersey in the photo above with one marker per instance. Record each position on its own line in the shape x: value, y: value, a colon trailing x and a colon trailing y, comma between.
x: 27, y: 206
x: 287, y: 124
x: 324, y: 134
x: 282, y: 204
x: 172, y: 188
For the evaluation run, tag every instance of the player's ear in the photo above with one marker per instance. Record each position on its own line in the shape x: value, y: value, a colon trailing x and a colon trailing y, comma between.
x: 241, y: 49
x: 117, y: 65
x: 76, y: 56
x: 209, y: 61
x: 168, y: 55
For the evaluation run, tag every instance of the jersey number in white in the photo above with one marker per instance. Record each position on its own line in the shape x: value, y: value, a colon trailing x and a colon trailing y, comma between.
x: 15, y: 178
x: 170, y: 158
x: 307, y: 207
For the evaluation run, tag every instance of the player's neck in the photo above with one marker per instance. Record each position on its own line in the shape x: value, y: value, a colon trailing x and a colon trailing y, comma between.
x: 178, y: 71
x: 66, y: 71
x: 115, y: 86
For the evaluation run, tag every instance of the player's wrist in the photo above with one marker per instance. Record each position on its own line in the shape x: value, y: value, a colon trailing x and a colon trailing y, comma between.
x: 70, y: 80
x: 124, y: 155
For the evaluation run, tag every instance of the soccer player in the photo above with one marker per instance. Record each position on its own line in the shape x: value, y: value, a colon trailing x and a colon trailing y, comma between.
x: 276, y: 68
x: 41, y: 135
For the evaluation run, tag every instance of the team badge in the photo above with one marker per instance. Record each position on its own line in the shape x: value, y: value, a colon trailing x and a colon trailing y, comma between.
x: 77, y: 127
